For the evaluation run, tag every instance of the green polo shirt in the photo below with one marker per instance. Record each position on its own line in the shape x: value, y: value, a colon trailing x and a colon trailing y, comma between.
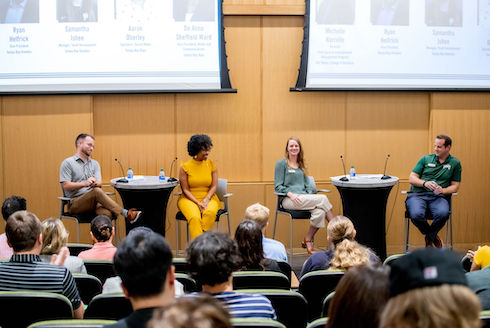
x: 429, y: 169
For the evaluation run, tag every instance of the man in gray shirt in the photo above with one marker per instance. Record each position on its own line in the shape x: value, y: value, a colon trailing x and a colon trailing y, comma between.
x: 81, y: 180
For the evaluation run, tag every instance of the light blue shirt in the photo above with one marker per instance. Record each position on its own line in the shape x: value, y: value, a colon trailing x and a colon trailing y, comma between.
x: 274, y: 250
x: 15, y: 12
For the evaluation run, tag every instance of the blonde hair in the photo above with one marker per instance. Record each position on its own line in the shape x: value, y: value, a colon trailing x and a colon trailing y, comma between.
x: 55, y: 236
x: 301, y: 158
x: 442, y: 306
x: 257, y: 213
x: 347, y: 252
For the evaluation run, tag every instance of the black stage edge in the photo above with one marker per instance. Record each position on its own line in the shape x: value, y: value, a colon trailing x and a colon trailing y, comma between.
x: 153, y: 203
x: 366, y: 207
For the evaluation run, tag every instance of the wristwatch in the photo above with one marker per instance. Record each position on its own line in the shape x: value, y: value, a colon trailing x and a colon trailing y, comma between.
x: 423, y: 184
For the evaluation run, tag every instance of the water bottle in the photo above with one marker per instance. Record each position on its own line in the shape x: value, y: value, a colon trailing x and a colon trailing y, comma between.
x: 352, y: 172
x: 130, y: 174
x: 161, y: 176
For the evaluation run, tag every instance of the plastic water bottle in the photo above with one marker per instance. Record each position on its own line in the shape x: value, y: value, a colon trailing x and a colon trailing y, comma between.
x: 352, y: 172
x: 130, y: 174
x: 161, y: 176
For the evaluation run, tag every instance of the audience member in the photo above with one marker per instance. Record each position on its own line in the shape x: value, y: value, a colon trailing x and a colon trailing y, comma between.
x: 55, y: 237
x: 343, y: 253
x: 81, y: 180
x: 479, y: 277
x: 273, y: 249
x: 25, y: 267
x: 248, y: 237
x: 143, y: 261
x: 10, y: 206
x: 360, y: 297
x: 428, y: 288
x: 102, y: 233
x: 202, y: 311
x: 212, y: 257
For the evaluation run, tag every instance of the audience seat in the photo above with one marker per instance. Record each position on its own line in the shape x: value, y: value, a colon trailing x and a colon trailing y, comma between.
x: 112, y: 306
x: 76, y: 249
x: 88, y: 286
x: 101, y: 269
x: 315, y: 286
x: 326, y: 303
x: 318, y: 323
x: 256, y: 323
x: 190, y: 285
x: 260, y: 280
x: 291, y: 307
x: 72, y: 323
x: 485, y: 318
x: 389, y: 260
x: 26, y: 307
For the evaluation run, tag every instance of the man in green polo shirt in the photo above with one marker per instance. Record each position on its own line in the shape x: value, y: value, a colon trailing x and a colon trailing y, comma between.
x: 434, y: 178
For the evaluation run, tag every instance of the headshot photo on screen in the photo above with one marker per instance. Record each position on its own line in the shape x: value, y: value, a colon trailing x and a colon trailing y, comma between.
x: 443, y: 13
x: 194, y: 10
x: 76, y: 11
x: 137, y: 11
x: 390, y: 12
x: 19, y: 11
x: 332, y: 12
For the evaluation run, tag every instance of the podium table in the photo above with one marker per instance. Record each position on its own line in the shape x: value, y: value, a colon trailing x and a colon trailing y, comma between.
x: 364, y: 201
x: 147, y: 194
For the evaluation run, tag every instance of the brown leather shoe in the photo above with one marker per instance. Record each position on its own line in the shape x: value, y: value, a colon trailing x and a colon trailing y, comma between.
x: 133, y: 215
x: 438, y: 242
x: 308, y: 244
x: 428, y: 242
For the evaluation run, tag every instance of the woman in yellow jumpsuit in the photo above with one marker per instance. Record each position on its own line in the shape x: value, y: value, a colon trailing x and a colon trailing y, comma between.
x: 198, y: 180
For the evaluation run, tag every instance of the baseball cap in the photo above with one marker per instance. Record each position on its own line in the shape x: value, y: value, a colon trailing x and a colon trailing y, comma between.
x: 426, y: 267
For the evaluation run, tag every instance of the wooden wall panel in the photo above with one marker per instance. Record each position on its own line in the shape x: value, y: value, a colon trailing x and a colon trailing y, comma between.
x: 384, y: 123
x: 233, y: 121
x: 137, y: 129
x: 466, y: 118
x: 318, y: 119
x: 38, y: 133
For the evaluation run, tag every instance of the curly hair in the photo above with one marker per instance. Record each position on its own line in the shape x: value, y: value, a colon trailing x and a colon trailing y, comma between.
x: 101, y: 228
x: 212, y: 257
x: 12, y: 205
x: 347, y: 251
x: 301, y: 159
x: 55, y: 236
x: 434, y: 306
x: 248, y: 237
x: 197, y: 143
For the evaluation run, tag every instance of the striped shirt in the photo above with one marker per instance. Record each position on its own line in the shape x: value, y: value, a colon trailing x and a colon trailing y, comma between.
x: 27, y: 272
x: 247, y: 305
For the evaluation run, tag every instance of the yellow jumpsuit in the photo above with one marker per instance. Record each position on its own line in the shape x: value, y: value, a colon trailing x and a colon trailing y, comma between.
x: 199, y: 179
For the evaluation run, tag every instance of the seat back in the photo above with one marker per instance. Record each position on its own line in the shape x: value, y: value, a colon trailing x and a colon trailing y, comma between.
x: 221, y: 189
x: 180, y: 264
x: 318, y: 323
x: 312, y: 183
x: 72, y: 323
x: 76, y: 249
x: 20, y: 309
x: 315, y: 286
x: 256, y: 323
x: 485, y: 319
x: 326, y: 304
x: 390, y: 259
x: 190, y: 285
x: 285, y: 268
x: 88, y: 286
x: 101, y: 269
x: 291, y: 307
x: 260, y: 280
x: 113, y: 306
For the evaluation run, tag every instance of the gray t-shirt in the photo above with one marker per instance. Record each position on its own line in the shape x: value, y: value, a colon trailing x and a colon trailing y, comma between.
x: 74, y: 169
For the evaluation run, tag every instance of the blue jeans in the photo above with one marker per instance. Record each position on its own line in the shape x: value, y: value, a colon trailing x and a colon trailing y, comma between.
x: 417, y: 205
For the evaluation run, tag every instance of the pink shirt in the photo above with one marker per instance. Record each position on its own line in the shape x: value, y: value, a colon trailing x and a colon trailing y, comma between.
x: 101, y: 251
x: 5, y: 250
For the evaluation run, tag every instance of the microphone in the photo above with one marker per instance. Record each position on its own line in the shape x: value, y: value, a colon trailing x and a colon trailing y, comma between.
x: 344, y: 178
x: 123, y: 179
x: 386, y: 177
x: 171, y: 179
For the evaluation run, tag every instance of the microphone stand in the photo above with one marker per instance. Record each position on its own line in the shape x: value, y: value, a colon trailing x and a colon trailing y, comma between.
x: 172, y: 179
x: 386, y: 177
x: 344, y: 178
x: 123, y: 179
